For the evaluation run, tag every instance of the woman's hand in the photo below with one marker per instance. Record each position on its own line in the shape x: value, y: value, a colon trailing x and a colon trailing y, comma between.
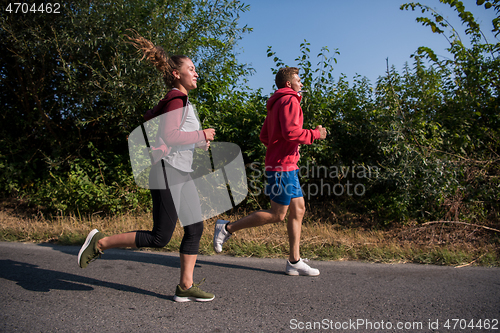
x: 209, y: 134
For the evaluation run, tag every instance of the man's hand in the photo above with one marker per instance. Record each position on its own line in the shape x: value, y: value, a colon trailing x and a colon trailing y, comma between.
x: 322, y: 132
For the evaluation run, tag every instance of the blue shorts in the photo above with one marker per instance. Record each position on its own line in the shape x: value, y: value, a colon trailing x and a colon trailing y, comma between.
x: 283, y: 186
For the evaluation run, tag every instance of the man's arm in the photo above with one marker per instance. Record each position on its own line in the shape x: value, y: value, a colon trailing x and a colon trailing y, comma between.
x: 291, y: 124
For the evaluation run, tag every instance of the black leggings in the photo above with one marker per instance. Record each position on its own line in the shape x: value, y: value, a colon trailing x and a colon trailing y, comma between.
x: 165, y: 213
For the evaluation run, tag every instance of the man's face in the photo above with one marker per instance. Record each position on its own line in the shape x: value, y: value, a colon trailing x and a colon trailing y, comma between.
x: 295, y: 84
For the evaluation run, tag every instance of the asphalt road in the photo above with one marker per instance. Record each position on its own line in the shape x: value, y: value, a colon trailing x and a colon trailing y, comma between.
x: 44, y: 290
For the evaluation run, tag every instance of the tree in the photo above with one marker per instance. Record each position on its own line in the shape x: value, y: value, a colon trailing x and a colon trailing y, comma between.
x: 71, y: 87
x: 442, y: 144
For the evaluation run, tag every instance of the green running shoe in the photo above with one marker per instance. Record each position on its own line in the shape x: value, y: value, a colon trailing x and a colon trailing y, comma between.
x: 89, y: 250
x: 192, y: 294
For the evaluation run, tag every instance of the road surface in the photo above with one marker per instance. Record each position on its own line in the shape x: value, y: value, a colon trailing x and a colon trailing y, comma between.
x: 44, y: 290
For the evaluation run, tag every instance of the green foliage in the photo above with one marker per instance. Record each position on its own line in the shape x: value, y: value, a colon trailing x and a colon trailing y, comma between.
x: 431, y: 133
x: 84, y: 188
x: 442, y: 147
x: 71, y: 79
x: 422, y: 144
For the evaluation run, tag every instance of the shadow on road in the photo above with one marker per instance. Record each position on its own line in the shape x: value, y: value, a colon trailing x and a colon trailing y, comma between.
x: 33, y: 278
x: 157, y: 259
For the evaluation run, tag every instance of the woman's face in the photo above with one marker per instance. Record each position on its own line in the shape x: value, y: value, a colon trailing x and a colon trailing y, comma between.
x: 186, y: 76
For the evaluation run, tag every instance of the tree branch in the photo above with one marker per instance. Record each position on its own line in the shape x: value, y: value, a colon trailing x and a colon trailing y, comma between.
x: 465, y: 223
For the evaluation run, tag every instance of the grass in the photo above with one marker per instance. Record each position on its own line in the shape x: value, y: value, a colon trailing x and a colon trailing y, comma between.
x: 441, y: 244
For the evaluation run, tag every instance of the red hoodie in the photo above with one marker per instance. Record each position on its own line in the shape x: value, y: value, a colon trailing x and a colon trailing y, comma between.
x: 282, y: 132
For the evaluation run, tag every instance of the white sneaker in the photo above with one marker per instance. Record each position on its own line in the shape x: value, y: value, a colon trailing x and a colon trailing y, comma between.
x: 221, y: 235
x: 301, y: 268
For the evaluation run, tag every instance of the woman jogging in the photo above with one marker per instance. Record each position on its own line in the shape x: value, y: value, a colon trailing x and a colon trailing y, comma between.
x: 179, y: 130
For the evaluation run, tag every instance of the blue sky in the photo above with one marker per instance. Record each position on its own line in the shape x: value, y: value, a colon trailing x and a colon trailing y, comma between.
x: 365, y: 32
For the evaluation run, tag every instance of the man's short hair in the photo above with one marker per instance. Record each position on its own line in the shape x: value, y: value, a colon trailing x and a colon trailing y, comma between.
x: 284, y: 75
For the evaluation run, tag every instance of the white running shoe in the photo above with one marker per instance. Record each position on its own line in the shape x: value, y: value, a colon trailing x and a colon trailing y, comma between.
x: 301, y: 268
x: 221, y: 235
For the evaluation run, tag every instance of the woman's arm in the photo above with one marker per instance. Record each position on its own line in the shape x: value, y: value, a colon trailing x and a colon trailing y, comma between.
x: 170, y: 124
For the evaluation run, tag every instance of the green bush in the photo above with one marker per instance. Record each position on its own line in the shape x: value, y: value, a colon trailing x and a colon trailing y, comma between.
x: 90, y: 187
x: 430, y: 134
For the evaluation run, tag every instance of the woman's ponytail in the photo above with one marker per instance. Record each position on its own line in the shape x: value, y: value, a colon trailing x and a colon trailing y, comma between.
x: 157, y: 56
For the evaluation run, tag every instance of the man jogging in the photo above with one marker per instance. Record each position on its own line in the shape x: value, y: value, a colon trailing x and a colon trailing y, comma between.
x: 282, y: 133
